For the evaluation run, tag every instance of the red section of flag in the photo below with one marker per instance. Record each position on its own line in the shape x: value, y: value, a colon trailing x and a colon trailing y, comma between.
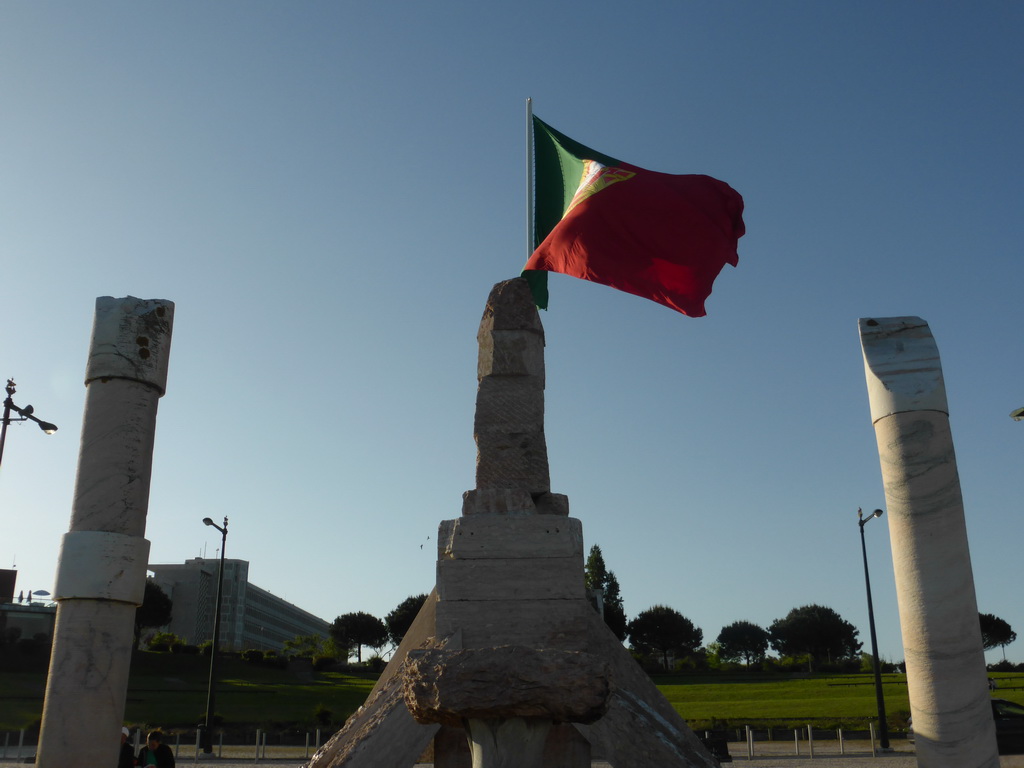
x: 661, y: 236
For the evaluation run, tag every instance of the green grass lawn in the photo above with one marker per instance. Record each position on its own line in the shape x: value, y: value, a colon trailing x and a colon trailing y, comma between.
x: 169, y: 691
x: 825, y: 701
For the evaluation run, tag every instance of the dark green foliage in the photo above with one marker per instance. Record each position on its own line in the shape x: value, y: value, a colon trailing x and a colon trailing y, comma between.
x: 817, y: 631
x: 165, y: 641
x: 597, y: 576
x: 155, y: 610
x: 666, y: 631
x: 252, y: 656
x: 354, y: 630
x: 742, y: 640
x: 995, y: 633
x: 305, y: 645
x: 322, y: 715
x: 400, y: 619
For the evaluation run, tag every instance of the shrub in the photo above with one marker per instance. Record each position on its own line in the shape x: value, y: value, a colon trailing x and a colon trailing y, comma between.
x: 320, y: 663
x: 165, y: 641
x: 322, y: 715
x: 252, y: 656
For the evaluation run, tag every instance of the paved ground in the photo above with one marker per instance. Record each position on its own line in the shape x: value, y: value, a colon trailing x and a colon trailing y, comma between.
x: 766, y: 755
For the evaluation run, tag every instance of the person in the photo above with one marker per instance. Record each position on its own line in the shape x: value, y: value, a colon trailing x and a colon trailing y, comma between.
x: 127, y: 757
x: 156, y: 752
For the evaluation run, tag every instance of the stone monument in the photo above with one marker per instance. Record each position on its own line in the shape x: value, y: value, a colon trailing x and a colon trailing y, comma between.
x: 508, y: 665
x: 101, y: 571
x: 946, y: 677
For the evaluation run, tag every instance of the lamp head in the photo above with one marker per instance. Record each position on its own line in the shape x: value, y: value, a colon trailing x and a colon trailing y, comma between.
x: 1017, y: 415
x: 207, y: 521
x: 878, y: 513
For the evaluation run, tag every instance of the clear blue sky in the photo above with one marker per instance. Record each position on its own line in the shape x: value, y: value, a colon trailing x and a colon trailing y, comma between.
x: 328, y: 191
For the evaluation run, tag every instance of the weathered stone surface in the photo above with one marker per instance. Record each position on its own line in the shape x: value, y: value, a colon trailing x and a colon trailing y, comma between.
x: 451, y: 748
x: 512, y: 460
x: 498, y: 501
x: 509, y: 405
x: 500, y: 536
x: 946, y: 675
x: 516, y: 742
x: 641, y: 728
x: 552, y: 504
x: 102, y: 567
x: 511, y: 353
x: 505, y: 682
x: 380, y: 733
x: 509, y: 422
x: 541, y: 578
x: 565, y: 748
x: 131, y: 339
x: 510, y: 307
x: 538, y: 623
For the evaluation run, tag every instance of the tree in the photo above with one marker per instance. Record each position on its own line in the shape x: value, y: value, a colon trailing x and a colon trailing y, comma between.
x: 400, y: 619
x: 305, y: 645
x: 664, y: 630
x: 614, y: 613
x: 995, y: 633
x: 359, y: 629
x: 155, y: 610
x: 817, y: 631
x: 742, y: 640
x: 597, y: 576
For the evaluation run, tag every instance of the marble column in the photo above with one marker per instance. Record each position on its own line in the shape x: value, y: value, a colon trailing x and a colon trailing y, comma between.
x: 101, y: 573
x: 946, y: 676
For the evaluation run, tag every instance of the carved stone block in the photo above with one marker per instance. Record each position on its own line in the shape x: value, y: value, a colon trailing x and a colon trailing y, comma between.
x: 500, y: 536
x: 515, y: 579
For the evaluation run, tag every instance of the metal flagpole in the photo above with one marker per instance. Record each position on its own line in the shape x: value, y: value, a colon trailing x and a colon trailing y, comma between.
x: 529, y: 177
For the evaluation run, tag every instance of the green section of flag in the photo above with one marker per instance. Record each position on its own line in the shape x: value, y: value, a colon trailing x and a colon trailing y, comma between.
x: 558, y: 163
x: 558, y: 169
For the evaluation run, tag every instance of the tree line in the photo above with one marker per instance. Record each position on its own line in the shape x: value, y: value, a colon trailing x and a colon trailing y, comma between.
x: 814, y: 634
x: 659, y: 636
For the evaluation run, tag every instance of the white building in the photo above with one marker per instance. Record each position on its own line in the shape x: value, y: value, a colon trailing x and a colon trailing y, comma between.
x: 250, y: 617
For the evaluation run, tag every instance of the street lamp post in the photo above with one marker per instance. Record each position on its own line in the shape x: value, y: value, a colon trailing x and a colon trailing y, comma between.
x: 206, y: 738
x: 25, y: 414
x: 879, y: 695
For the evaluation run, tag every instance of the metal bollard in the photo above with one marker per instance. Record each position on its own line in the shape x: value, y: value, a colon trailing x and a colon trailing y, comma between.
x: 842, y: 745
x: 810, y: 741
x: 871, y: 728
x: 796, y: 741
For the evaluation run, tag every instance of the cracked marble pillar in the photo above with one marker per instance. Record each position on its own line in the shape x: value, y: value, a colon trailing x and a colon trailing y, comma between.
x: 101, y: 571
x: 946, y: 676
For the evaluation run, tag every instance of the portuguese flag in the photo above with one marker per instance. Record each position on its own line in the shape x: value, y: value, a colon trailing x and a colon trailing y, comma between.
x: 661, y: 236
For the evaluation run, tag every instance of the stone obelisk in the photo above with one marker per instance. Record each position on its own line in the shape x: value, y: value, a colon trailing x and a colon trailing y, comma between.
x: 507, y: 664
x: 946, y: 678
x: 101, y: 573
